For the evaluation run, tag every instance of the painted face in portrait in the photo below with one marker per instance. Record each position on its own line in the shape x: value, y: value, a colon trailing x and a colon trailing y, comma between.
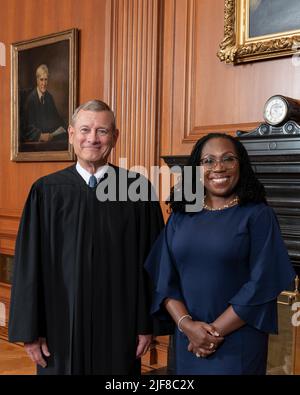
x: 42, y: 82
x: 221, y: 167
x: 93, y: 137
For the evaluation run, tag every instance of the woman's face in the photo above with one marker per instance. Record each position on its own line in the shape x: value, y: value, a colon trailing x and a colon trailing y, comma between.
x: 221, y: 167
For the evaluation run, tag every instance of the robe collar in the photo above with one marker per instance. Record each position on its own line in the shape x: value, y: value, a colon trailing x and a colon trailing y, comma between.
x: 86, y: 175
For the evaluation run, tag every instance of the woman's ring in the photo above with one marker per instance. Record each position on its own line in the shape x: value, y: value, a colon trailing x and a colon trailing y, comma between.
x: 198, y: 355
x: 211, y: 346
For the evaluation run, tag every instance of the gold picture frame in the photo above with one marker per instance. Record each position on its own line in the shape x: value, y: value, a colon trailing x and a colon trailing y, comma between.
x: 44, y: 96
x: 243, y: 16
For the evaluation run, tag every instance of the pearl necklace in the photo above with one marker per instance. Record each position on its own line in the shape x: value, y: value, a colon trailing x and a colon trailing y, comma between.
x: 233, y: 202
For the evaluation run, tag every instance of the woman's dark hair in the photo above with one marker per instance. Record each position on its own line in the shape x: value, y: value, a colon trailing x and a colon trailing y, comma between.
x: 248, y: 188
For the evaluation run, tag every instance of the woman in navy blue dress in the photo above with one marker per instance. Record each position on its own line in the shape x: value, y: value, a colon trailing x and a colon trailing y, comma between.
x: 218, y: 272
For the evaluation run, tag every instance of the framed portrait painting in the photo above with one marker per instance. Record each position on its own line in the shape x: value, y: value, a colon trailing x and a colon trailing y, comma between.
x: 44, y: 92
x: 260, y: 29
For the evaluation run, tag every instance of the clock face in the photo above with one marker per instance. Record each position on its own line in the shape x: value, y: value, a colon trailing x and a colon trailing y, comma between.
x: 275, y: 110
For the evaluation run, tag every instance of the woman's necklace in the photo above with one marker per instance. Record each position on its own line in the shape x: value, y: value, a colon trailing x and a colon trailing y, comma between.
x: 233, y: 202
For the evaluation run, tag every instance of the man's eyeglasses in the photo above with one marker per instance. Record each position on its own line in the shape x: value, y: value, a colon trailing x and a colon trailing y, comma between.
x: 100, y: 131
x: 228, y: 162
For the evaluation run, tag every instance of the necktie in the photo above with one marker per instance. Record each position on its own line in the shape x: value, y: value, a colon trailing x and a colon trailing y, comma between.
x: 42, y: 99
x: 92, y: 181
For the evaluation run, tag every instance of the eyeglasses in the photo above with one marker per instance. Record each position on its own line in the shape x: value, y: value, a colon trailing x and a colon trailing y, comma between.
x: 228, y: 162
x: 100, y: 131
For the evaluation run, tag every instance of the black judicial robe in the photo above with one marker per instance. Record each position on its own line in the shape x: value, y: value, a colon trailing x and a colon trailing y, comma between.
x: 78, y: 276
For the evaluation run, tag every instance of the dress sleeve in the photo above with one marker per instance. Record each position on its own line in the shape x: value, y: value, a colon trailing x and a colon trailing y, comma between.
x: 26, y: 318
x: 270, y: 273
x: 160, y: 266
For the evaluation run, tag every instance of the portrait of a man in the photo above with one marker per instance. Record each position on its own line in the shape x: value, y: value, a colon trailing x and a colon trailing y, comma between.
x: 44, y: 86
x: 40, y: 120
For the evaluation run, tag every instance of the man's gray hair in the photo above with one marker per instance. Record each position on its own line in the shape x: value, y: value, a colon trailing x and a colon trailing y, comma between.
x: 96, y: 106
x: 41, y: 70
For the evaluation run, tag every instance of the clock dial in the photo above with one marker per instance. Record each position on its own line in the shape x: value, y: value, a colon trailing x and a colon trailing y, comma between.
x: 275, y: 110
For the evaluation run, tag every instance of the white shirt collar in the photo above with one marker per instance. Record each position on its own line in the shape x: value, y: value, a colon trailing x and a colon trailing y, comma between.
x: 86, y: 175
x: 40, y: 94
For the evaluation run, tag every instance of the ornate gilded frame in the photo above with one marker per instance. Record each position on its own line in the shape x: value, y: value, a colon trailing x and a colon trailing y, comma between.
x: 237, y: 48
x: 61, y: 51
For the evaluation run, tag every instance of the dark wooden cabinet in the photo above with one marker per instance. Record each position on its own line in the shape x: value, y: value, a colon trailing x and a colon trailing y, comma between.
x: 276, y: 161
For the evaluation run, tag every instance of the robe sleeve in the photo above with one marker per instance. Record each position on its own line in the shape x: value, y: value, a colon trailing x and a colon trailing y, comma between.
x: 26, y: 318
x: 151, y: 224
x: 270, y: 273
x: 160, y: 266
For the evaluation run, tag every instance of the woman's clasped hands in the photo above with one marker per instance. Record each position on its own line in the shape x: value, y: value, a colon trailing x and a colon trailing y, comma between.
x: 204, y: 338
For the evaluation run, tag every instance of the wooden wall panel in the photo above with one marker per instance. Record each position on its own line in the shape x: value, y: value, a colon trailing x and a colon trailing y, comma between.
x: 33, y: 18
x: 9, y: 222
x: 200, y: 94
x: 132, y: 76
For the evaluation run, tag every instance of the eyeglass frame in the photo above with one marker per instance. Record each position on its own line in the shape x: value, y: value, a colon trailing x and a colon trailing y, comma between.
x: 101, y: 130
x: 221, y: 160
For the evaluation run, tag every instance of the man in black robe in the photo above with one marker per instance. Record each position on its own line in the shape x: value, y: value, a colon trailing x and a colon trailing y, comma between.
x: 80, y: 295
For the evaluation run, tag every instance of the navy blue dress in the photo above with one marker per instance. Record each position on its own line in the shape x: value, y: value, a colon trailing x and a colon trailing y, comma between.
x: 213, y: 259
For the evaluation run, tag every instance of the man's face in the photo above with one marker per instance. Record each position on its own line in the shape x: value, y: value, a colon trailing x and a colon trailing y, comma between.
x: 89, y: 142
x: 42, y: 82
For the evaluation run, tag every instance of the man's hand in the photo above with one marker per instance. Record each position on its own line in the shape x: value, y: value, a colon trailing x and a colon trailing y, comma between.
x: 44, y: 137
x: 143, y: 344
x: 36, y: 350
